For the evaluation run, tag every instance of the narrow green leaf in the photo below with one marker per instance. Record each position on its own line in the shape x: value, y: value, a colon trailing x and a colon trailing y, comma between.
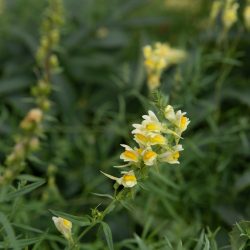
x: 240, y: 235
x: 108, y: 235
x: 200, y: 242
x: 24, y: 190
x: 104, y: 195
x: 9, y: 231
x: 141, y: 243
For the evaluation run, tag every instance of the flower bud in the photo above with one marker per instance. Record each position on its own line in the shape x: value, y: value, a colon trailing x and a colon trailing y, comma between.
x: 63, y: 226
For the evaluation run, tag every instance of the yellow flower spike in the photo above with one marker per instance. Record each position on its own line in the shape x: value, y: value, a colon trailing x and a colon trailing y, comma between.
x: 63, y: 226
x: 149, y: 157
x: 128, y: 179
x: 129, y: 154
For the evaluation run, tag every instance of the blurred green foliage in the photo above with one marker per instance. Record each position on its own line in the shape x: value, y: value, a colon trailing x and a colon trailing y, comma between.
x: 100, y: 92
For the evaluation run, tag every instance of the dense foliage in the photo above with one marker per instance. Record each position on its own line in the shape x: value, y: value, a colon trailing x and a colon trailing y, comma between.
x: 98, y: 92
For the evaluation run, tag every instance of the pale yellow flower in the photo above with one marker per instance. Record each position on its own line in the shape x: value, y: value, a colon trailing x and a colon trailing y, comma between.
x: 128, y: 179
x: 63, y: 226
x: 157, y: 58
x: 181, y: 121
x: 178, y: 119
x: 130, y: 155
x: 171, y: 157
x: 229, y: 16
x: 148, y: 125
x: 149, y: 157
x: 169, y: 113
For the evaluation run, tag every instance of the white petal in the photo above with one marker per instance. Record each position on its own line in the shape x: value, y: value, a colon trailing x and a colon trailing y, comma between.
x: 127, y: 147
x: 152, y: 115
x: 110, y: 176
x: 178, y: 147
x: 122, y: 166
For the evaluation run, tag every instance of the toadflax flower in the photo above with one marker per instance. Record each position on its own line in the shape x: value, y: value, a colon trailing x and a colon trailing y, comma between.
x: 149, y: 157
x: 63, y: 226
x: 171, y: 156
x: 178, y: 119
x: 158, y: 141
x: 149, y: 124
x: 130, y: 155
x: 128, y: 180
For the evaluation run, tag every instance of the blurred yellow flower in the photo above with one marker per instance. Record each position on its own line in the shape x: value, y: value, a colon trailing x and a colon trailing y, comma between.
x: 63, y: 226
x: 157, y: 58
x: 229, y: 15
x: 158, y: 142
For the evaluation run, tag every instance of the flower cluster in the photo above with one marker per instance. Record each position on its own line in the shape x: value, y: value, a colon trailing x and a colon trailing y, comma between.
x: 158, y: 141
x: 158, y: 58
